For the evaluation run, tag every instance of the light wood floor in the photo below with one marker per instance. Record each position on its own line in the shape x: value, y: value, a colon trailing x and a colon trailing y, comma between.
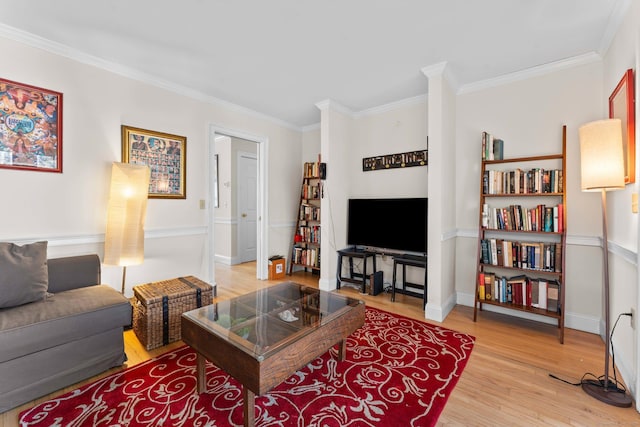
x: 506, y: 381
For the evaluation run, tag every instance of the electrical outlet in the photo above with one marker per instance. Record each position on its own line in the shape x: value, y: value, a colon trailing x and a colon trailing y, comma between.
x: 633, y: 318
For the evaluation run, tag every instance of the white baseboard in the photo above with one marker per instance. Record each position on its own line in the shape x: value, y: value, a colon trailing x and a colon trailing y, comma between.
x: 439, y: 313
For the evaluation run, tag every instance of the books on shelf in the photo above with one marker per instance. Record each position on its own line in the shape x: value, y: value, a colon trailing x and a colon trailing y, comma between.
x: 544, y: 256
x: 309, y: 212
x: 518, y: 181
x: 312, y: 170
x: 516, y: 218
x: 492, y: 148
x: 304, y: 256
x: 521, y: 291
x: 309, y: 233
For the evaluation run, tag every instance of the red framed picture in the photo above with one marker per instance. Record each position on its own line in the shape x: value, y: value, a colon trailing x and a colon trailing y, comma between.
x: 30, y: 127
x: 622, y: 106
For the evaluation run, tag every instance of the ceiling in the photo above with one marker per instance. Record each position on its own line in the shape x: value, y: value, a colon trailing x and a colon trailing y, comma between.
x: 281, y: 57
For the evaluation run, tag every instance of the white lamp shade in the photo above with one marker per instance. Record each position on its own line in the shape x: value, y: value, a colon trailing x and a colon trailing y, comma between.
x: 127, y: 209
x: 602, y: 164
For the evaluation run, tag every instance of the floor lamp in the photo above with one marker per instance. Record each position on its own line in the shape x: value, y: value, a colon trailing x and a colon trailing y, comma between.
x: 126, y: 212
x: 602, y: 169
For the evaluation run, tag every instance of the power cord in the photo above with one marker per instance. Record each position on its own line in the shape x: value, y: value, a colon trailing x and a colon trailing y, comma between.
x: 589, y: 378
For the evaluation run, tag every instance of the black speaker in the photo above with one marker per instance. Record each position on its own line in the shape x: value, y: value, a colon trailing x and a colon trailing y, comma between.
x: 323, y: 171
x: 376, y: 284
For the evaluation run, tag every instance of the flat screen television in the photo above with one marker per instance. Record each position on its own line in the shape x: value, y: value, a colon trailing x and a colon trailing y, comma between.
x: 396, y: 224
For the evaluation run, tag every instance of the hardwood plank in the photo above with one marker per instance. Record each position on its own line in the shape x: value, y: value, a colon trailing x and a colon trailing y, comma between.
x: 506, y: 381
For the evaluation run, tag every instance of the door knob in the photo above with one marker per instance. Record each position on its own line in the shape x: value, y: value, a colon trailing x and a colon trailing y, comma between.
x: 244, y: 215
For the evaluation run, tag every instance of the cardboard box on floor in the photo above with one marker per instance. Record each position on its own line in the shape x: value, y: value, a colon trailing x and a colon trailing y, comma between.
x: 276, y: 268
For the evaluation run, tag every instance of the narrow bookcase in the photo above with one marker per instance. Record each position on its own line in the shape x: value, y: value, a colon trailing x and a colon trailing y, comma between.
x: 305, y: 250
x: 522, y: 235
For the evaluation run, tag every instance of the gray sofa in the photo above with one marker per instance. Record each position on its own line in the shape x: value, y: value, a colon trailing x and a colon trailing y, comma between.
x: 74, y: 333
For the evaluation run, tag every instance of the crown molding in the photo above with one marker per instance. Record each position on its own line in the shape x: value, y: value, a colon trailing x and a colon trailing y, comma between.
x: 616, y: 18
x: 334, y: 105
x: 309, y: 128
x: 539, y: 70
x: 441, y: 69
x: 84, y: 58
x: 407, y: 102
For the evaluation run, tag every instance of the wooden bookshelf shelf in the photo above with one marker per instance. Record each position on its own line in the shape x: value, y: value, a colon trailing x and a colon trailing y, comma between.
x: 526, y: 309
x: 520, y: 235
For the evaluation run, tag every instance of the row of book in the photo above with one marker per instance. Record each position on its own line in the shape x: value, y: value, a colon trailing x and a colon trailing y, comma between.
x: 309, y: 233
x: 309, y: 213
x: 518, y: 181
x: 545, y: 256
x: 310, y: 191
x: 492, y: 148
x: 516, y: 218
x: 311, y: 170
x: 310, y: 257
x: 520, y: 291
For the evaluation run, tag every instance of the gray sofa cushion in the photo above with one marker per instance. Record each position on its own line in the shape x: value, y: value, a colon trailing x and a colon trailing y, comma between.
x: 73, y: 272
x: 24, y: 276
x: 64, y: 317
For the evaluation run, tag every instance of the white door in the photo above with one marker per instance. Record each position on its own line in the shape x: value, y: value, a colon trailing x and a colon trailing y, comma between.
x: 247, y: 206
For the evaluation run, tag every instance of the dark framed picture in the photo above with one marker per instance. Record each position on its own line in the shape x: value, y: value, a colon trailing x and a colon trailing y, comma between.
x: 166, y: 156
x: 621, y: 106
x: 30, y: 127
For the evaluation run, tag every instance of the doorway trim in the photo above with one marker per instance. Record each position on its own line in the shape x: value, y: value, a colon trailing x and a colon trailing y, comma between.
x: 263, y: 197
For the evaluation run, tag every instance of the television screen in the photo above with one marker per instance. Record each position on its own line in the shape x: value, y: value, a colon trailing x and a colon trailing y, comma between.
x: 398, y: 224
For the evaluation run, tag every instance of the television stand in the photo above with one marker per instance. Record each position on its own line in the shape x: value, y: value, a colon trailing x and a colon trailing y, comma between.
x: 413, y: 261
x: 356, y: 278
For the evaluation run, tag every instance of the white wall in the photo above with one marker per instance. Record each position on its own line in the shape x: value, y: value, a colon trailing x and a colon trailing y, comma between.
x: 528, y: 115
x: 336, y: 136
x: 442, y: 166
x: 69, y: 209
x: 623, y: 54
x: 310, y: 145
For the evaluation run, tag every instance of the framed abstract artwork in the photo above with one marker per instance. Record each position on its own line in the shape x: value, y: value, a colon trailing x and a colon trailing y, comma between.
x: 166, y: 156
x: 622, y: 106
x: 30, y: 127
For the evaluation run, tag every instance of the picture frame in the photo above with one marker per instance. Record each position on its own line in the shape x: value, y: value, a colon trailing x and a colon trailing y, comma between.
x: 394, y: 161
x: 166, y: 156
x: 622, y: 106
x: 30, y: 127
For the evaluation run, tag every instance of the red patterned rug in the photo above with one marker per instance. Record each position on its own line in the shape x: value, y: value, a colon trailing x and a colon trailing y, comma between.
x: 398, y: 372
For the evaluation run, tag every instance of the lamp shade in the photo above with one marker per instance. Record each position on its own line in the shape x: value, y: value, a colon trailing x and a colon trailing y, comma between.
x: 602, y: 164
x: 127, y: 209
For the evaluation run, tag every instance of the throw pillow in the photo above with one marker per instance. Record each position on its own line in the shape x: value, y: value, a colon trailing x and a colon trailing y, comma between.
x: 24, y: 276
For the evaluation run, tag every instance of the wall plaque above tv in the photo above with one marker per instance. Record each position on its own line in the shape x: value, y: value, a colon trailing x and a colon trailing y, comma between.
x: 393, y: 161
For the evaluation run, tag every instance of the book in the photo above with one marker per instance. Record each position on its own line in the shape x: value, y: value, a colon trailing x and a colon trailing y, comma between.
x: 481, y: 291
x: 558, y: 255
x: 560, y: 218
x: 488, y: 285
x: 498, y: 149
x: 518, y: 289
x: 553, y: 290
x: 494, y: 252
x: 548, y: 219
x: 484, y: 252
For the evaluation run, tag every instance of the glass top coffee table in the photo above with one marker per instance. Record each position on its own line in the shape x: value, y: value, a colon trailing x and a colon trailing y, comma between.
x: 263, y: 337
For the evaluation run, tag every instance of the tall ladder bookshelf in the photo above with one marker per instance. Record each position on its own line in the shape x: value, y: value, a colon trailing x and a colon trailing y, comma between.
x: 522, y: 235
x: 305, y: 252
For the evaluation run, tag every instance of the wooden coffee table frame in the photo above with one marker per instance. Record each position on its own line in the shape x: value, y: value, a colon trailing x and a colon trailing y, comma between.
x: 259, y: 376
